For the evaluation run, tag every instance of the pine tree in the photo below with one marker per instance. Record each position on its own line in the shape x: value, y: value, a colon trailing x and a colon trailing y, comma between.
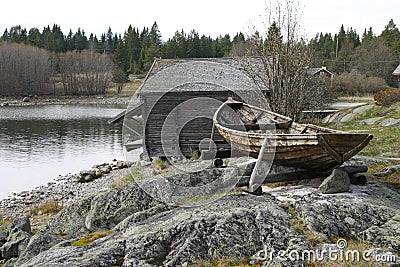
x: 6, y: 35
x: 170, y: 48
x: 216, y: 48
x: 193, y: 45
x: 339, y: 39
x: 69, y: 41
x: 109, y: 40
x: 132, y: 44
x: 367, y: 36
x: 353, y: 37
x: 80, y: 40
x: 206, y: 47
x: 15, y: 34
x: 120, y: 57
x: 225, y: 44
x: 391, y: 35
x: 35, y: 37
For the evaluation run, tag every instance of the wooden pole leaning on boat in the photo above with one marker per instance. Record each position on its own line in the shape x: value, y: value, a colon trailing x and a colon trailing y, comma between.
x: 211, y: 153
x: 212, y: 137
x: 252, y: 185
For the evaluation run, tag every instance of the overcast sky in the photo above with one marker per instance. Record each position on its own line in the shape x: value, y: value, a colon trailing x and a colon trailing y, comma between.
x: 209, y: 17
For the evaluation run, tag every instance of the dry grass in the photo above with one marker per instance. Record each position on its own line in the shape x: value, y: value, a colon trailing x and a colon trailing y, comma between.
x: 134, y: 174
x: 195, y: 154
x: 49, y: 207
x: 369, y: 98
x: 120, y: 182
x: 5, y: 223
x: 388, y: 96
x: 90, y: 238
x: 313, y: 238
x: 279, y: 184
x: 128, y: 88
x: 392, y: 179
x: 159, y: 166
x: 353, y: 244
x: 226, y: 263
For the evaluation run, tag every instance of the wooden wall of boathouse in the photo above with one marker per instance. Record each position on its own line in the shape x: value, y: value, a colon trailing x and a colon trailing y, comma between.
x: 172, y: 128
x: 180, y: 98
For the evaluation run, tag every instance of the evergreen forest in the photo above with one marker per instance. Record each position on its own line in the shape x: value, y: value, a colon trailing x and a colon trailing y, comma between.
x: 48, y: 61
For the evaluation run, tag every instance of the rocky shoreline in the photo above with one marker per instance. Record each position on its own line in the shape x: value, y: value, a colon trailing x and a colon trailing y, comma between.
x: 102, y: 100
x: 102, y: 225
x: 65, y: 189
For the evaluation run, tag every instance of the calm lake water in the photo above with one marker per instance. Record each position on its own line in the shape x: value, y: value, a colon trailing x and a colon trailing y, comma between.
x: 40, y: 142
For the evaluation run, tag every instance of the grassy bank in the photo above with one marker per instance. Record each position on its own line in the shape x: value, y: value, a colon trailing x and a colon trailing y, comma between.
x: 128, y: 89
x: 386, y: 139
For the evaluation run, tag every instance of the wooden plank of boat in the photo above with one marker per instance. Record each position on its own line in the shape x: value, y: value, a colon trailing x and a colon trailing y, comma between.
x: 305, y: 146
x: 251, y: 116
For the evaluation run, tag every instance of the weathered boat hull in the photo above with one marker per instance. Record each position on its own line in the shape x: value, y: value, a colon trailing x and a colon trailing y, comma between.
x: 303, y: 146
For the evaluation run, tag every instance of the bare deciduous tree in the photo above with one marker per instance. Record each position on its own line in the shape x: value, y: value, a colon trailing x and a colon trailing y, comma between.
x: 24, y: 70
x: 85, y: 72
x: 283, y: 58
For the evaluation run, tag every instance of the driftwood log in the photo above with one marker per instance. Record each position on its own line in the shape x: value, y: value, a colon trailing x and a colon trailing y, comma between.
x: 353, y: 171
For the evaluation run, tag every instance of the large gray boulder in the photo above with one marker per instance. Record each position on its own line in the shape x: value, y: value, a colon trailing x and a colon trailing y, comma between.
x: 109, y: 208
x: 387, y: 235
x: 70, y: 221
x: 14, y: 242
x: 21, y: 223
x: 41, y: 241
x: 343, y: 214
x: 390, y: 122
x: 337, y: 182
x: 95, y: 213
x: 3, y: 237
x: 236, y: 226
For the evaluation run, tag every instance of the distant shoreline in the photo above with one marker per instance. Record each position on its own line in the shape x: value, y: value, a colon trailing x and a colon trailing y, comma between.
x: 105, y: 100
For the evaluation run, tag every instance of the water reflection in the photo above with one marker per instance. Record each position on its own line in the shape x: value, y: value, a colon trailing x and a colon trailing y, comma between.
x: 38, y: 143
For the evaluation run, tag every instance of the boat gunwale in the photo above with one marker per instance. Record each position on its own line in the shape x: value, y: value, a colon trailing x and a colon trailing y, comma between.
x: 284, y: 135
x: 312, y: 126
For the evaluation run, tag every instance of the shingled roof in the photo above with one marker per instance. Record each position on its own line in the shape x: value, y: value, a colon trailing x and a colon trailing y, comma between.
x: 166, y: 74
x: 313, y: 71
x: 397, y: 71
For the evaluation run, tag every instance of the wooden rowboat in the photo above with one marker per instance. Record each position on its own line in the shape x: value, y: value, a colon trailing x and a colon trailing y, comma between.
x: 291, y: 144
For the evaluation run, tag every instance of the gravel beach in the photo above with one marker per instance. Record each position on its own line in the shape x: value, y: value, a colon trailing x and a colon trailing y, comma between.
x: 65, y: 101
x: 63, y: 189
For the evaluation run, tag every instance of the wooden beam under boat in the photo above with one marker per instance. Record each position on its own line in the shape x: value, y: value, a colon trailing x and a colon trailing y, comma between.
x: 301, y: 175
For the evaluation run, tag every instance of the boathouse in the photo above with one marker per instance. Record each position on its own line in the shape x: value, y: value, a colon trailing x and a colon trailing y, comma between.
x: 396, y: 73
x: 178, y: 99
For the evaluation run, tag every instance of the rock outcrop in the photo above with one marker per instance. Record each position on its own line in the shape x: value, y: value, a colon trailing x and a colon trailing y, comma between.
x: 344, y: 214
x: 235, y: 226
x: 347, y: 115
x: 146, y: 232
x: 14, y: 242
x: 387, y: 235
